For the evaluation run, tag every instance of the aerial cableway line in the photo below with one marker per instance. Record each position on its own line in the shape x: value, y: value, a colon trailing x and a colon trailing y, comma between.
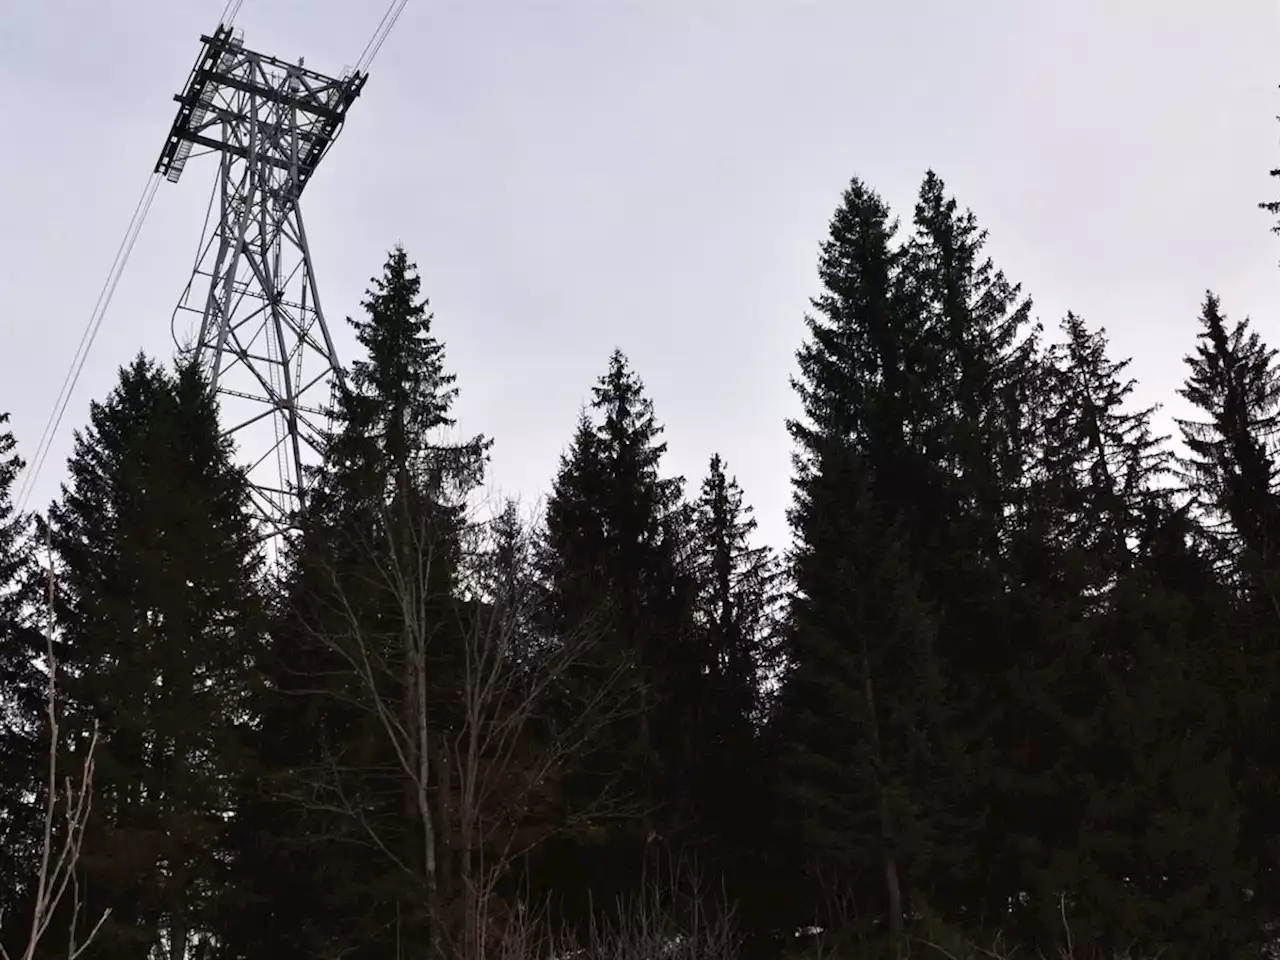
x: 262, y: 335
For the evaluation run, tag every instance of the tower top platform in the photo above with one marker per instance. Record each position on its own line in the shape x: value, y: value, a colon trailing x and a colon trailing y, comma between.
x: 232, y: 88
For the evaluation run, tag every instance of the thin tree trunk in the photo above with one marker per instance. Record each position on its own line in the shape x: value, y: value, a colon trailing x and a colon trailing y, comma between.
x: 178, y: 934
x: 418, y: 790
x: 893, y: 887
x: 445, y: 822
x: 895, y: 894
x: 473, y: 902
x: 422, y: 750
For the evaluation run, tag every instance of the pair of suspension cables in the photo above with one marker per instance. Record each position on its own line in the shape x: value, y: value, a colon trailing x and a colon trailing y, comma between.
x: 27, y: 487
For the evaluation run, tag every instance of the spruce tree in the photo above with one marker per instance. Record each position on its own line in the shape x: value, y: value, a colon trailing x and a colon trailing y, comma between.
x: 739, y: 590
x: 22, y: 698
x: 160, y: 615
x: 616, y: 552
x: 1085, y: 504
x: 1230, y: 471
x: 374, y: 574
x: 394, y: 418
x: 861, y: 708
x: 974, y: 393
x: 976, y: 355
x: 1163, y: 864
x: 737, y: 620
x: 1107, y: 459
x: 1234, y: 384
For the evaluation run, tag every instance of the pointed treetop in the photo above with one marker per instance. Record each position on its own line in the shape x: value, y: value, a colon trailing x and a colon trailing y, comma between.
x: 850, y: 360
x: 404, y: 365
x: 1234, y: 380
x: 629, y: 426
x: 722, y: 512
x: 609, y: 477
x: 12, y: 526
x: 10, y: 465
x: 398, y: 401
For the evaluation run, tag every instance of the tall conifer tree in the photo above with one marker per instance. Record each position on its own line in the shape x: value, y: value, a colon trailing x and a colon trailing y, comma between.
x: 616, y: 552
x: 1230, y: 469
x: 374, y: 574
x: 22, y: 723
x: 737, y: 625
x: 160, y: 615
x: 1234, y: 384
x: 738, y: 601
x: 860, y: 709
x: 973, y: 393
x: 1164, y: 863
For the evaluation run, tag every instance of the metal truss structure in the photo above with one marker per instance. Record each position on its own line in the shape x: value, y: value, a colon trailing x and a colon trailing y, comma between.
x: 262, y: 334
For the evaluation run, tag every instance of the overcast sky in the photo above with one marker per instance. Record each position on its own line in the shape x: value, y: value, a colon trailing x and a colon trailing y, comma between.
x: 656, y: 175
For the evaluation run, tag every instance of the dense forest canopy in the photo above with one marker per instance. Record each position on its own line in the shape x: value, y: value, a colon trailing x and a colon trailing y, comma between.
x: 1015, y: 682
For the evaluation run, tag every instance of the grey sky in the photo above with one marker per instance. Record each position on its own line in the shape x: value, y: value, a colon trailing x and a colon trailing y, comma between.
x: 571, y: 175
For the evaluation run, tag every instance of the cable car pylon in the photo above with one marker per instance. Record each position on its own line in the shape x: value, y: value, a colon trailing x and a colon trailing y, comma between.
x: 261, y: 331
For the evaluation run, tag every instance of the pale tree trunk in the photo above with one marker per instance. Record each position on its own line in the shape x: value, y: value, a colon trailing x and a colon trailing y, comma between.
x: 469, y: 790
x: 474, y: 906
x: 60, y: 856
x: 444, y: 819
x: 414, y: 578
x: 498, y: 780
x: 178, y: 934
x: 895, y: 894
x: 420, y: 784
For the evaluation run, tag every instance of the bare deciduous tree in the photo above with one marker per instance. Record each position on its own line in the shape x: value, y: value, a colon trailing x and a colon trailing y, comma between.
x: 509, y: 679
x: 672, y: 916
x: 475, y: 770
x: 63, y: 837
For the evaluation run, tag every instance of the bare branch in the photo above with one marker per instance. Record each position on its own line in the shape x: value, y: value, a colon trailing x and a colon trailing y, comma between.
x: 59, y: 857
x: 479, y: 753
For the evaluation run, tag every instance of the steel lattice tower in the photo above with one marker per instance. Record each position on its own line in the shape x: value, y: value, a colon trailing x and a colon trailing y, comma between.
x: 262, y: 334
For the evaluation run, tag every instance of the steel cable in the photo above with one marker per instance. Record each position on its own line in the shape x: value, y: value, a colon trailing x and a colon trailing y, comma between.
x: 90, y: 334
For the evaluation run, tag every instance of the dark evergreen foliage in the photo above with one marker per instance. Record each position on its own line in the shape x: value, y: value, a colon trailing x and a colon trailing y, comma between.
x: 736, y: 624
x: 22, y: 698
x: 616, y: 551
x: 1231, y: 464
x: 862, y: 706
x: 159, y: 613
x: 1016, y: 675
x: 1230, y: 470
x: 373, y: 574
